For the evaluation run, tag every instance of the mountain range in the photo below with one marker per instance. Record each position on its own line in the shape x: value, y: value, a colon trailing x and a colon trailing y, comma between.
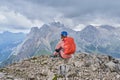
x: 8, y: 42
x: 102, y: 39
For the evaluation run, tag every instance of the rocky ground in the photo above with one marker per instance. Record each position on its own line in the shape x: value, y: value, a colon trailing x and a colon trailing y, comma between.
x: 80, y: 67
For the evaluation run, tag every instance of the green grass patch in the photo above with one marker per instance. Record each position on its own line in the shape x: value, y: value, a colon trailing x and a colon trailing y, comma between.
x: 42, y: 52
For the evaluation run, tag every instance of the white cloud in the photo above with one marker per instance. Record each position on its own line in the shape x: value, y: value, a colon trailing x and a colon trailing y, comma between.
x: 11, y: 20
x: 79, y: 27
x: 66, y: 21
x: 23, y: 14
x: 2, y: 18
x: 103, y: 20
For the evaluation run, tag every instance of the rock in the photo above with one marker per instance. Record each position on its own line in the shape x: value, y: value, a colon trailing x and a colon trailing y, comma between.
x: 112, y: 66
x: 118, y: 76
x: 2, y: 74
x: 19, y: 79
x: 81, y: 67
x: 79, y: 64
x: 94, y: 68
x: 51, y: 75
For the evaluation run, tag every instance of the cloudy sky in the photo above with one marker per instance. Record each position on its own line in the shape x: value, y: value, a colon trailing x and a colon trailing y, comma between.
x: 21, y: 15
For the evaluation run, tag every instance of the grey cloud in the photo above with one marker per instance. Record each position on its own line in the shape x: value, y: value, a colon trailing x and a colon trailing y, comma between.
x: 18, y: 27
x: 70, y: 8
x: 77, y: 10
x: 14, y: 27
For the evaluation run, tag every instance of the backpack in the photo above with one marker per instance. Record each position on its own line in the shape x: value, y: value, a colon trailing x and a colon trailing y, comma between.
x: 69, y: 45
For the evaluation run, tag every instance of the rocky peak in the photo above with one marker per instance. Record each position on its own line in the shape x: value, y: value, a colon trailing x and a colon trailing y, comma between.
x: 89, y: 33
x: 90, y: 28
x: 45, y: 28
x: 57, y: 24
x: 108, y: 27
x: 34, y: 29
x: 80, y: 67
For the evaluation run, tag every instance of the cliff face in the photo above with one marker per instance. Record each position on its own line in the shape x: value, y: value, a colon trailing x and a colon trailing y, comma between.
x: 80, y: 67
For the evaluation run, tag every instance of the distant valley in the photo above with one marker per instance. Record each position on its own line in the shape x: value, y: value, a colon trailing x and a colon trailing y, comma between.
x: 8, y: 42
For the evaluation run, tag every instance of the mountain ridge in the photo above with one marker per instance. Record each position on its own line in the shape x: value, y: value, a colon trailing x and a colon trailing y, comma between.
x: 8, y: 42
x: 91, y: 39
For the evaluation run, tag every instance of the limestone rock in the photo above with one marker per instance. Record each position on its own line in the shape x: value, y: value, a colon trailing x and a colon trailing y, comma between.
x: 80, y: 67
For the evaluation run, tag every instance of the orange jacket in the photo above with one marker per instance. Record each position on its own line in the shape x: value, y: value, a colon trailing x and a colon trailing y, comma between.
x: 62, y: 52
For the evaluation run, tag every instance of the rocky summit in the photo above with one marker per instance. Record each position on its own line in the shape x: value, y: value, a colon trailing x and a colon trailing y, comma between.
x: 81, y: 66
